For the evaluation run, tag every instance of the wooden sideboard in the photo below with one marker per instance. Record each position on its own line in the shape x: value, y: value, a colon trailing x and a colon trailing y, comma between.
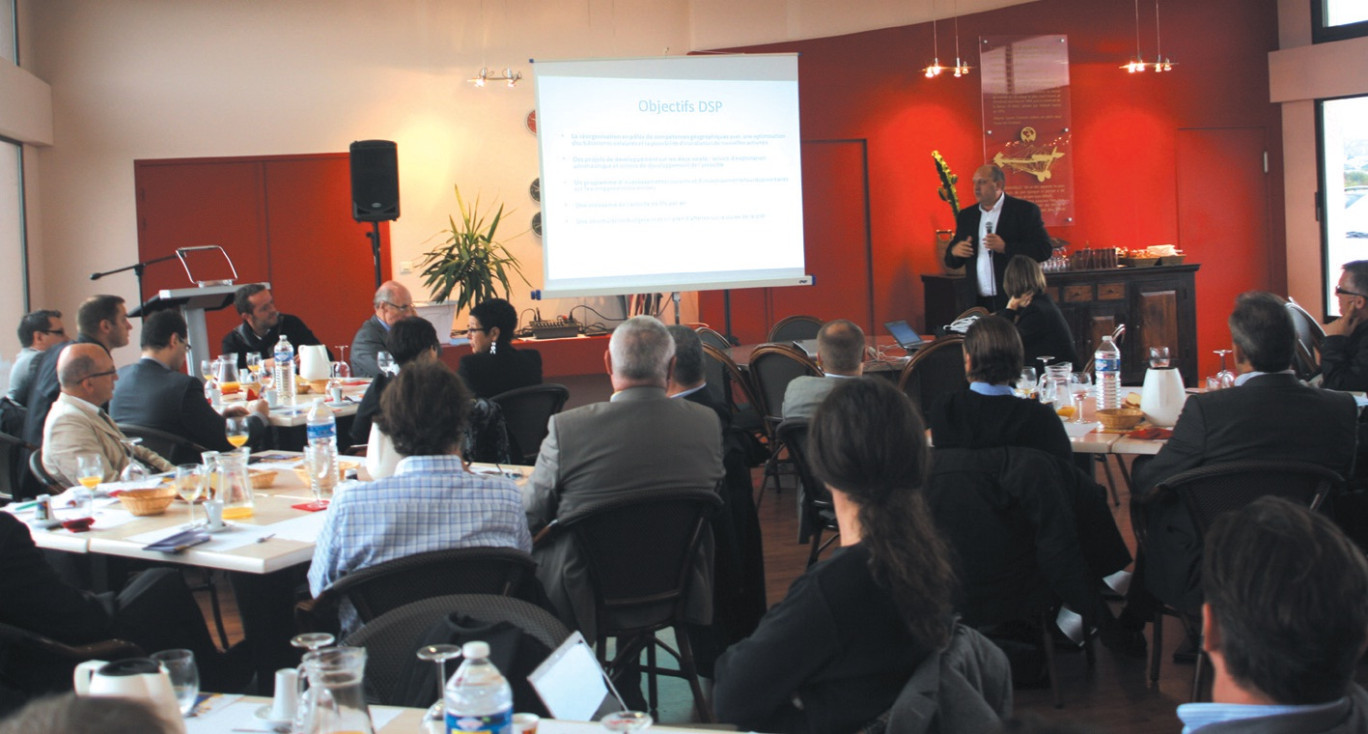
x: 1158, y: 305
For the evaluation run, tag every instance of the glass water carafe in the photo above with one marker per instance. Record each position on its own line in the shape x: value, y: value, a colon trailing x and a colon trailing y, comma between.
x: 235, y: 485
x: 336, y: 694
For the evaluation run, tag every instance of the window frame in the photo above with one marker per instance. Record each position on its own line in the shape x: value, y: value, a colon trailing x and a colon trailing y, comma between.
x: 1322, y: 33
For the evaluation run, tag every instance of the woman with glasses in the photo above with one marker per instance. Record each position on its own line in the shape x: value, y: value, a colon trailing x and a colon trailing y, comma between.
x: 494, y: 366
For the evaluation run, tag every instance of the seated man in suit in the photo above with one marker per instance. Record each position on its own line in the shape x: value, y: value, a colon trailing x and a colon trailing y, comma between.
x: 392, y: 302
x: 262, y: 326
x: 37, y: 331
x: 78, y: 425
x: 1269, y: 415
x: 638, y: 442
x: 154, y: 393
x: 101, y: 320
x: 840, y: 354
x: 1344, y: 351
x: 1284, y: 624
x: 687, y: 379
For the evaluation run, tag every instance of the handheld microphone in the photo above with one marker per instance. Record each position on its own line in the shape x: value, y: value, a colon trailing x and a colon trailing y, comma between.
x: 988, y: 227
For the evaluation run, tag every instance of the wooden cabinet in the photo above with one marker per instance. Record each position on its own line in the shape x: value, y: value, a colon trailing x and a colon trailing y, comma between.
x: 1158, y: 305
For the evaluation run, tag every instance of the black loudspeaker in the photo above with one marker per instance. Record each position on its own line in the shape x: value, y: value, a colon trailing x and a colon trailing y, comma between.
x: 375, y: 180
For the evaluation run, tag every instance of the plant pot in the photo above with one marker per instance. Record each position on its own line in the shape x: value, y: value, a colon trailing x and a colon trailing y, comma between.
x: 441, y: 315
x: 943, y: 238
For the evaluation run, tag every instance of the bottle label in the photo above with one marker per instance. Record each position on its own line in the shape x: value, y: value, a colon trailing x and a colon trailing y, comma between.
x: 1108, y: 365
x: 497, y: 723
x: 323, y: 431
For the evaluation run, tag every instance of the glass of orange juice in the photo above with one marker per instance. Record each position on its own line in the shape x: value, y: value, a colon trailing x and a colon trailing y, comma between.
x: 90, y: 470
x: 238, y: 430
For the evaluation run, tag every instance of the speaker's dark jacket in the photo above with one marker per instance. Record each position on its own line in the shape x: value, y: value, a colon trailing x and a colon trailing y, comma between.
x: 1019, y: 225
x: 242, y: 340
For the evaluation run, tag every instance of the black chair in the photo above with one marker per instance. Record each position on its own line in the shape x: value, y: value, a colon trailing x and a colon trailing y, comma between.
x: 390, y: 638
x: 737, y: 390
x: 39, y: 664
x: 49, y: 483
x: 174, y: 448
x: 640, y: 552
x: 935, y: 369
x: 1207, y: 492
x: 377, y: 589
x: 772, y: 368
x: 1306, y: 361
x: 11, y: 465
x: 713, y: 337
x: 794, y: 328
x: 526, y: 413
x: 816, y: 513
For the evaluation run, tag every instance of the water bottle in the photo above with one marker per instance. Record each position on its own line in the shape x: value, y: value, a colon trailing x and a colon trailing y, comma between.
x: 321, y: 428
x: 213, y: 396
x: 284, y: 371
x: 478, y: 699
x: 1107, y: 361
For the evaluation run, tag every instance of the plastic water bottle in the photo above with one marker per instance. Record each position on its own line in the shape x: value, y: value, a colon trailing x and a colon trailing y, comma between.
x: 321, y: 427
x: 1107, y: 361
x: 213, y: 396
x: 478, y: 698
x: 284, y: 371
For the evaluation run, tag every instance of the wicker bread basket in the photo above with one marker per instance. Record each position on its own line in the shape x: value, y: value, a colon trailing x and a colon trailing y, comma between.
x: 144, y: 502
x: 1120, y: 419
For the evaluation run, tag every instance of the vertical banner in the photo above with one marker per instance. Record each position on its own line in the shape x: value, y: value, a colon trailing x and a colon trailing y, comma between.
x: 1027, y: 120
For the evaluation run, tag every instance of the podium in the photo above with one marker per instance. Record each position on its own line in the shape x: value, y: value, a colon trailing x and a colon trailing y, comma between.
x: 193, y: 302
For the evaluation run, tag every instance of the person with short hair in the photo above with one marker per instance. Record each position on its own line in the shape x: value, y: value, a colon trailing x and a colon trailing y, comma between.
x: 432, y: 502
x: 101, y: 320
x: 1042, y: 327
x: 261, y: 327
x: 840, y: 354
x: 410, y: 340
x: 155, y: 393
x: 1344, y: 350
x: 493, y: 365
x: 392, y: 302
x: 68, y: 712
x: 38, y: 331
x: 687, y: 379
x: 1284, y: 624
x: 990, y: 234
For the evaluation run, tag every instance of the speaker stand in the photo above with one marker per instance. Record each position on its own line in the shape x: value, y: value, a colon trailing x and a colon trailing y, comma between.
x: 374, y: 236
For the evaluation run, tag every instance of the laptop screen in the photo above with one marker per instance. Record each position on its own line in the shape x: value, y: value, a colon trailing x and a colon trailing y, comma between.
x: 907, y: 337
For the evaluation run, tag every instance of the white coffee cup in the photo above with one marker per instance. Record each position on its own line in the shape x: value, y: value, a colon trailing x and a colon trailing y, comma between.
x: 283, y: 705
x: 213, y: 509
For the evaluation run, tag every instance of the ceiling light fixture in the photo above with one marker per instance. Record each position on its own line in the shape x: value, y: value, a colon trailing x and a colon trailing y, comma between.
x: 507, y: 75
x: 961, y: 68
x: 1161, y: 62
x: 935, y: 69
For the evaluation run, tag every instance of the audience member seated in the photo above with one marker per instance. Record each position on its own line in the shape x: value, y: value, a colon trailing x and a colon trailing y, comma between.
x: 836, y: 652
x: 392, y: 302
x: 1344, y: 350
x: 432, y: 502
x: 78, y: 425
x: 1283, y: 623
x: 639, y: 441
x: 840, y: 354
x: 1270, y: 415
x: 155, y: 611
x: 101, y: 320
x: 409, y: 340
x: 1044, y: 332
x: 37, y: 331
x: 154, y: 393
x: 262, y: 326
x: 494, y: 366
x: 987, y: 414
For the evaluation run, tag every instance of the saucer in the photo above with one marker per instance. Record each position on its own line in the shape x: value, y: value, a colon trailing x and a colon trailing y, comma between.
x: 263, y: 713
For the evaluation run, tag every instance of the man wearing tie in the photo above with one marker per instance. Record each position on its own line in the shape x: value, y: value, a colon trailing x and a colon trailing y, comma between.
x: 987, y: 236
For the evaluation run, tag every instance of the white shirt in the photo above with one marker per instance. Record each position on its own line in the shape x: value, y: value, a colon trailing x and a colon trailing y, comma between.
x: 987, y: 281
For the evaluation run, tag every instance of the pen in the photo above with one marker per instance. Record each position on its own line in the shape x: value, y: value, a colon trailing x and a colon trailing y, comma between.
x: 26, y: 506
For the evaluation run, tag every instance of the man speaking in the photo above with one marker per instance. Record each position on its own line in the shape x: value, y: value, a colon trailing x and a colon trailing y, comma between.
x: 987, y: 236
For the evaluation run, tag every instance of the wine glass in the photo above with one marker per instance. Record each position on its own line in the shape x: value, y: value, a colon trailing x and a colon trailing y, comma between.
x: 1079, y: 385
x: 238, y: 430
x: 309, y: 642
x: 385, y: 362
x: 1225, y: 376
x: 90, y: 470
x: 1159, y: 357
x: 322, y: 470
x: 254, y: 362
x: 207, y: 370
x: 189, y: 484
x: 342, y: 356
x: 185, y: 683
x: 438, y: 655
x: 627, y: 721
x: 1026, y: 383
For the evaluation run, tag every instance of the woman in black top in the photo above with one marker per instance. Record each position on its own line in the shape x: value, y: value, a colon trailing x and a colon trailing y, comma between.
x: 1042, y: 327
x: 851, y: 630
x: 494, y: 366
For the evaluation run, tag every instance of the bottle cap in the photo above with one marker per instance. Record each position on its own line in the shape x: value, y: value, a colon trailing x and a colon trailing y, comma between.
x: 476, y: 649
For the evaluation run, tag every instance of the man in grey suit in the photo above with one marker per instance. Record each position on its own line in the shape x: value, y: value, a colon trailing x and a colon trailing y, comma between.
x: 392, y: 302
x: 840, y: 354
x: 639, y: 441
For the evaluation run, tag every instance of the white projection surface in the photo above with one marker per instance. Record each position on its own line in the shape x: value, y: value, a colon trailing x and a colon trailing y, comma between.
x: 670, y: 174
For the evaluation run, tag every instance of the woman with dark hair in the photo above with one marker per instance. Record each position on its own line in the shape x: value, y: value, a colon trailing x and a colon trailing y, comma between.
x: 494, y: 366
x: 987, y: 414
x: 1042, y: 327
x: 835, y: 653
x: 411, y: 339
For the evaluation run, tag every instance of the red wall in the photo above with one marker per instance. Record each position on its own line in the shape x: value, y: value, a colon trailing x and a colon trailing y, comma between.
x: 1127, y: 172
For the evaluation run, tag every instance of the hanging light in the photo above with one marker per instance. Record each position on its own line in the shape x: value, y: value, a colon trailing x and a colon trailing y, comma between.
x: 1136, y: 64
x: 935, y: 69
x: 1161, y: 62
x: 961, y: 68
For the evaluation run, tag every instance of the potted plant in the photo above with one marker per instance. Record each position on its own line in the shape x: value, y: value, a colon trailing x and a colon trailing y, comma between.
x: 470, y: 261
x: 947, y: 194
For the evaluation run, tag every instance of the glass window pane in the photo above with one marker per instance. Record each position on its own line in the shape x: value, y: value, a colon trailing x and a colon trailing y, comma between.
x: 12, y: 289
x: 1342, y: 12
x: 1344, y: 187
x: 8, y: 42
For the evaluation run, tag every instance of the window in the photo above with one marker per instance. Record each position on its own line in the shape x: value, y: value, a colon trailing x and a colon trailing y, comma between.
x: 1344, y: 186
x: 1334, y: 20
x: 9, y: 39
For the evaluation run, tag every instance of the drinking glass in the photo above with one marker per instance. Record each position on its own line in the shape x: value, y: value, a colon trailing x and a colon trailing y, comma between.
x: 1225, y: 376
x: 90, y: 470
x: 342, y: 356
x: 189, y: 484
x: 322, y: 470
x: 1026, y: 383
x: 627, y: 721
x: 185, y: 683
x: 1079, y: 385
x: 238, y: 430
x: 310, y: 642
x: 438, y: 655
x: 207, y: 370
x: 134, y: 471
x: 385, y: 362
x: 226, y: 370
x: 254, y: 363
x: 1159, y: 357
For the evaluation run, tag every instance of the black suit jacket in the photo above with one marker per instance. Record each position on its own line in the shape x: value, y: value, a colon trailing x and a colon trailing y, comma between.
x: 34, y: 598
x: 488, y: 374
x: 148, y: 394
x: 1019, y: 225
x: 44, y: 389
x: 1043, y: 331
x: 242, y: 340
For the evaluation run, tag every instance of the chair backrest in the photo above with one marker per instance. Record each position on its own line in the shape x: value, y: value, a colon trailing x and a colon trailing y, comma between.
x: 377, y: 589
x: 11, y: 463
x: 1309, y: 336
x: 772, y: 368
x: 49, y: 483
x: 978, y: 311
x: 640, y: 551
x: 174, y: 448
x: 390, y: 638
x: 935, y: 369
x: 38, y: 664
x: 736, y: 387
x: 791, y: 328
x: 713, y: 337
x: 814, y: 500
x: 526, y: 412
x: 1210, y: 491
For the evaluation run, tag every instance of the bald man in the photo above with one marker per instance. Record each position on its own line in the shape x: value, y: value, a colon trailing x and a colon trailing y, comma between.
x: 392, y: 302
x: 77, y: 425
x: 989, y: 235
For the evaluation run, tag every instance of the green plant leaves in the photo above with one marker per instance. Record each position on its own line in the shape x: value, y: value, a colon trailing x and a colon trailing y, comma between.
x: 471, y: 259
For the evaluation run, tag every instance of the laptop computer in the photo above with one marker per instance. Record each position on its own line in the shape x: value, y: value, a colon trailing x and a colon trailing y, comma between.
x: 573, y: 685
x: 905, y: 335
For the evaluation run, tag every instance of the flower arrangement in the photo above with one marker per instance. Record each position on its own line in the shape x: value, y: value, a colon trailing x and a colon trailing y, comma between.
x: 948, y: 180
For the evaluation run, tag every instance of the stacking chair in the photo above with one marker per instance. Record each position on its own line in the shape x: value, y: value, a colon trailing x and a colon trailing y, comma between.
x: 641, y: 551
x: 11, y: 465
x: 978, y: 311
x: 526, y: 413
x: 935, y: 369
x: 49, y: 483
x: 377, y: 589
x: 816, y: 513
x: 713, y: 337
x: 1210, y: 491
x: 390, y: 638
x: 737, y: 390
x: 1309, y: 335
x: 794, y: 328
x: 772, y: 368
x: 175, y: 449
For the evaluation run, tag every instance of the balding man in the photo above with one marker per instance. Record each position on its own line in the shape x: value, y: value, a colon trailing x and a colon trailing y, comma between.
x: 392, y: 302
x: 640, y: 441
x: 102, y: 320
x: 989, y: 235
x: 77, y: 425
x: 840, y: 354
